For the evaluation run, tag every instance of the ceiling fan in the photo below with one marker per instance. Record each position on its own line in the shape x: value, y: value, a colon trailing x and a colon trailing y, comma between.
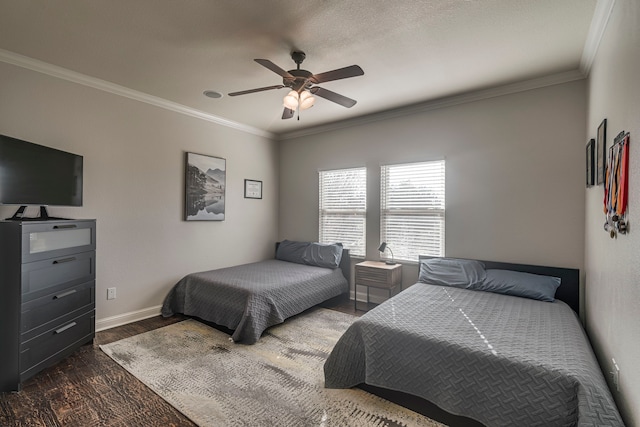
x: 301, y: 83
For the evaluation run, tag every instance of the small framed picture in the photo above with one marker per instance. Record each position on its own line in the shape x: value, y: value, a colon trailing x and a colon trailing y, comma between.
x: 601, y: 152
x: 252, y: 189
x: 590, y: 161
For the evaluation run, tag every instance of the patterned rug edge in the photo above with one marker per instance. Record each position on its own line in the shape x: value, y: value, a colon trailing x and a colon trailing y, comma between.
x: 105, y: 347
x: 277, y: 343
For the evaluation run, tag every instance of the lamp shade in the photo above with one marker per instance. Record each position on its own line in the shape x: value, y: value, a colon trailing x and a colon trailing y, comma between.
x: 306, y: 100
x: 382, y: 248
x: 291, y: 100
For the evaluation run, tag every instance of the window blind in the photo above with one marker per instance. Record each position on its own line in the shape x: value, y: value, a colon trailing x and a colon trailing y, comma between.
x: 343, y: 208
x: 412, y: 209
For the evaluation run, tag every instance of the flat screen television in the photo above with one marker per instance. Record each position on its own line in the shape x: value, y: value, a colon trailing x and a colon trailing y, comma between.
x: 32, y: 174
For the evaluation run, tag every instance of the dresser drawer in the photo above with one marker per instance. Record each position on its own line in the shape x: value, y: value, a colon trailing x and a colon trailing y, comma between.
x: 374, y: 276
x: 51, y: 275
x: 59, y: 239
x: 47, y: 294
x: 52, y: 345
x: 48, y: 308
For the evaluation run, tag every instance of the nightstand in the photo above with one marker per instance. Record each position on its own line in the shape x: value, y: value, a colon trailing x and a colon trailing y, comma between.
x: 376, y: 274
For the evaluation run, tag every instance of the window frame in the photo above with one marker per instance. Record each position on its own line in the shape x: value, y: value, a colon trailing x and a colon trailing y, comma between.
x: 344, y: 212
x: 401, y: 250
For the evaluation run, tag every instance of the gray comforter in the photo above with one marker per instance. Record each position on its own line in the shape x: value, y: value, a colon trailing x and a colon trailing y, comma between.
x: 251, y: 297
x: 501, y: 360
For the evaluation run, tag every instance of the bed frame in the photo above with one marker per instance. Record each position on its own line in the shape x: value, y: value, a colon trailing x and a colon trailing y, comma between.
x: 568, y: 291
x: 345, y: 265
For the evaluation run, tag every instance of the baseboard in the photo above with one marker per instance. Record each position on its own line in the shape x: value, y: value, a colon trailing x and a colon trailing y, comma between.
x: 123, y: 319
x: 134, y: 316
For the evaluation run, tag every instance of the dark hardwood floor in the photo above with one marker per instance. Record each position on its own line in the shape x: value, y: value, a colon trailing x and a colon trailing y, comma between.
x: 89, y: 389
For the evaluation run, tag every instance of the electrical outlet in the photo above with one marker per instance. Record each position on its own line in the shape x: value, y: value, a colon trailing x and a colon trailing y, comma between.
x: 111, y: 293
x: 615, y: 374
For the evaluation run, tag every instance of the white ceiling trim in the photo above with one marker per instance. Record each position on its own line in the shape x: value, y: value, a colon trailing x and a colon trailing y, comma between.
x: 82, y: 79
x: 601, y: 16
x: 550, y: 80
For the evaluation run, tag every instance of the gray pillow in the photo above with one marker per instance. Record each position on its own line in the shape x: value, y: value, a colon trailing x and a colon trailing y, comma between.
x: 323, y: 255
x: 459, y: 273
x: 292, y: 251
x: 316, y: 254
x: 520, y: 284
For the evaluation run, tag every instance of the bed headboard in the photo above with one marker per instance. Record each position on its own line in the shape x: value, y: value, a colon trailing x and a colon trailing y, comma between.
x: 568, y: 291
x: 345, y: 263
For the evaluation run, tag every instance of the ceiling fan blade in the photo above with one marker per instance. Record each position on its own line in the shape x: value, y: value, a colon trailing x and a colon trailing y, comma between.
x: 287, y: 113
x: 340, y: 73
x: 273, y: 67
x: 334, y: 97
x: 260, y: 89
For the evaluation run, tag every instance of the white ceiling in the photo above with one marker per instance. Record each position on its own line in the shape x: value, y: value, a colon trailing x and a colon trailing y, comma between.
x: 412, y: 51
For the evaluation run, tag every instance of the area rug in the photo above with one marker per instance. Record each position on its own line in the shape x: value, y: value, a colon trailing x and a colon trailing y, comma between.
x: 279, y: 381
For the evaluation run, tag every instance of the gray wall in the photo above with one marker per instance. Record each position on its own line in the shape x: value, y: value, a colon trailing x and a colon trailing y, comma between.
x: 133, y: 169
x: 515, y: 185
x: 514, y: 171
x: 613, y: 267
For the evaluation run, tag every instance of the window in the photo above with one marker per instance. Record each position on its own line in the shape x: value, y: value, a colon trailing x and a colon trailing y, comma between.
x: 412, y: 209
x: 343, y: 208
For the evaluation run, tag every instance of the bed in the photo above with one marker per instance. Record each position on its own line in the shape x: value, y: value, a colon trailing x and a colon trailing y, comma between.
x: 250, y: 298
x: 500, y: 360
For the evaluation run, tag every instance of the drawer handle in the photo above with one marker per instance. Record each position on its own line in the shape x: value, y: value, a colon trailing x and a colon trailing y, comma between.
x: 63, y: 260
x: 64, y: 328
x: 65, y: 294
x: 57, y: 227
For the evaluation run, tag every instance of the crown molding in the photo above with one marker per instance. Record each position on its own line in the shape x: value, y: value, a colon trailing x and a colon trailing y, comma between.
x: 103, y: 85
x: 436, y: 104
x: 601, y: 16
x: 603, y: 11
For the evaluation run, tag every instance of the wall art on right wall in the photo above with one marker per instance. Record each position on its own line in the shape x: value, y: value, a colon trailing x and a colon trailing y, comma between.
x: 601, y: 152
x: 590, y: 163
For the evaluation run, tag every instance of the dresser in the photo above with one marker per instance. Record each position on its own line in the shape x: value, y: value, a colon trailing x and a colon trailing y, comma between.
x: 47, y: 288
x: 376, y: 274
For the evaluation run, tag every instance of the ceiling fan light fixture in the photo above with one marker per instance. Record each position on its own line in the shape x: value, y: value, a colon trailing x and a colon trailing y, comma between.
x: 291, y: 100
x: 306, y: 100
x: 302, y: 94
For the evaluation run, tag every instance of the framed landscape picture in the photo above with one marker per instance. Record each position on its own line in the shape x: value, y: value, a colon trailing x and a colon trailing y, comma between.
x: 601, y: 152
x: 205, y: 183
